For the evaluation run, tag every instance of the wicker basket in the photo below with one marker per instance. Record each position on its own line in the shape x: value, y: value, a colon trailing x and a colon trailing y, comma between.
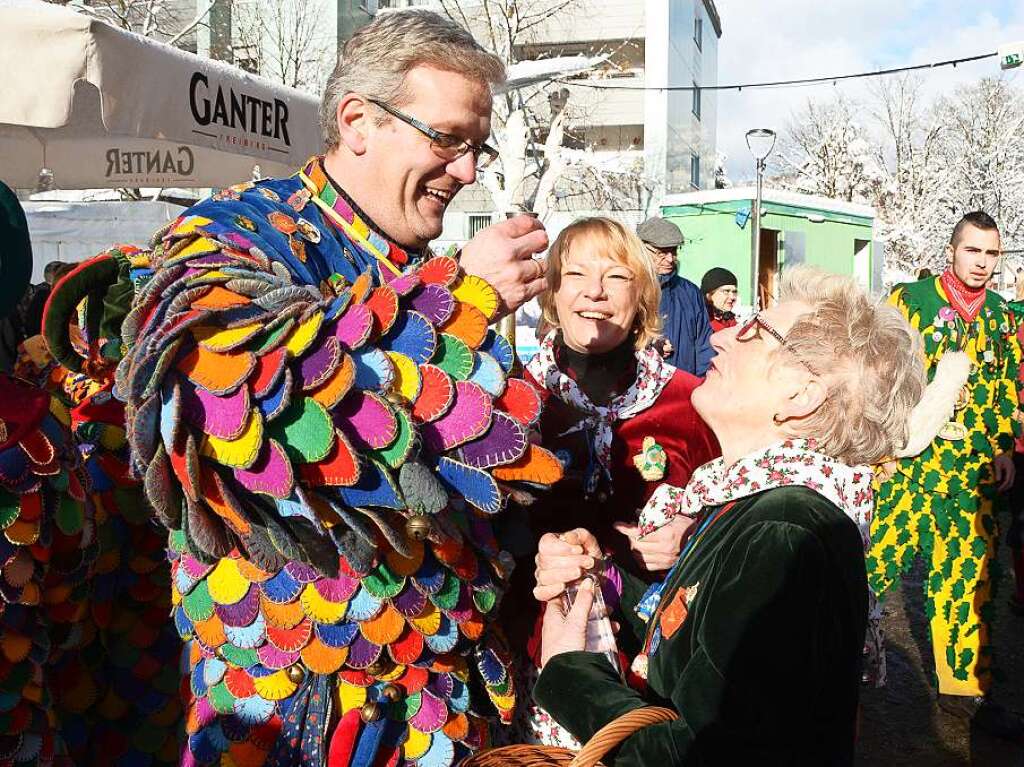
x: 604, y: 740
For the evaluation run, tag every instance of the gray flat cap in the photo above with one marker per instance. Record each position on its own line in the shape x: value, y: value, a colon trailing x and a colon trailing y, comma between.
x: 659, y: 233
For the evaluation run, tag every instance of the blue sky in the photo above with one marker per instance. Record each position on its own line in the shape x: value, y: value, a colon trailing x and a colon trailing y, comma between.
x: 782, y: 39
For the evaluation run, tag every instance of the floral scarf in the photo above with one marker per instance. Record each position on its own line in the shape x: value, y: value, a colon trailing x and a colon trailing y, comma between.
x: 966, y: 300
x: 652, y: 373
x: 785, y: 464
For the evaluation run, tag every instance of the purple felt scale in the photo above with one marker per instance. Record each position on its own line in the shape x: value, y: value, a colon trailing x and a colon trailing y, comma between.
x: 432, y: 715
x: 242, y: 612
x: 270, y: 474
x: 354, y: 326
x: 442, y: 685
x: 434, y: 302
x: 503, y: 443
x: 468, y: 418
x: 362, y: 652
x: 317, y: 366
x: 300, y: 572
x: 272, y: 657
x: 412, y: 335
x: 336, y: 590
x: 367, y: 420
x: 222, y: 417
x: 410, y: 602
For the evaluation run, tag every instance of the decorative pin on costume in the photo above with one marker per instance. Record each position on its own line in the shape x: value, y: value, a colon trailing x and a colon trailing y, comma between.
x: 651, y: 461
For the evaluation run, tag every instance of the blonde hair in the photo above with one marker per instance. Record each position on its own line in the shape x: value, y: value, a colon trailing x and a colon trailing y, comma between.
x: 618, y: 242
x: 376, y: 59
x: 873, y: 359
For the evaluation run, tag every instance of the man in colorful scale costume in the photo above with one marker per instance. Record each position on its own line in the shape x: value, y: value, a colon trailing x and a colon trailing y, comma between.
x: 941, y: 502
x: 326, y: 424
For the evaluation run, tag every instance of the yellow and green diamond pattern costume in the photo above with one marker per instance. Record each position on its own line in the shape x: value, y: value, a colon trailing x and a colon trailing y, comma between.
x: 940, y: 503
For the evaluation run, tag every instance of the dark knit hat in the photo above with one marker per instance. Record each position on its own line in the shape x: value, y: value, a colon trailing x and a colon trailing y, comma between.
x: 659, y: 233
x: 15, y: 251
x: 716, y: 278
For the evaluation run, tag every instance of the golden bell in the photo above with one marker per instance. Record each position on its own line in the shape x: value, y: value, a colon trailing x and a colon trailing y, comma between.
x: 371, y: 711
x: 418, y: 527
x: 392, y: 692
x: 295, y: 673
x: 381, y: 666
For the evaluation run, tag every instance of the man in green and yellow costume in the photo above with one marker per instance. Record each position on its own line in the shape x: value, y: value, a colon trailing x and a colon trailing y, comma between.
x: 940, y: 503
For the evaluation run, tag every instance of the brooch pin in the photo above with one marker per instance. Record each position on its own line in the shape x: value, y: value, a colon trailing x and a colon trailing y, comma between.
x: 651, y: 461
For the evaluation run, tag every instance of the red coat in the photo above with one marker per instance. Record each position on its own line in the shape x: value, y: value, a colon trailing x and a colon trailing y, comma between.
x: 673, y: 423
x: 717, y: 324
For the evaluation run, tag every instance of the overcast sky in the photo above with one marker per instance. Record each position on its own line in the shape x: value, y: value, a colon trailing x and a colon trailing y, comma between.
x: 783, y: 39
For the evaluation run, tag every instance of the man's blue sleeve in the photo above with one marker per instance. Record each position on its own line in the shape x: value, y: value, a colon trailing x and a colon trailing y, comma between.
x: 701, y: 331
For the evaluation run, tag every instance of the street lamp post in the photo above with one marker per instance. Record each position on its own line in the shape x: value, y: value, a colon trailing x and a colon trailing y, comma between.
x: 760, y: 142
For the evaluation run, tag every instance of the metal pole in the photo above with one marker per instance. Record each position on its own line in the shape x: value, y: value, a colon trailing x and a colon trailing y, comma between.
x: 756, y: 249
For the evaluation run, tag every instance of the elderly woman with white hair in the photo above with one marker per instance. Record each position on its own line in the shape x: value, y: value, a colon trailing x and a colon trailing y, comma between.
x: 754, y: 637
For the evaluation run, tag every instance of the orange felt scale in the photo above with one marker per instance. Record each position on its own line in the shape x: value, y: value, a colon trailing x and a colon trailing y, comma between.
x: 537, y: 465
x: 468, y: 324
x: 217, y: 372
x: 220, y: 298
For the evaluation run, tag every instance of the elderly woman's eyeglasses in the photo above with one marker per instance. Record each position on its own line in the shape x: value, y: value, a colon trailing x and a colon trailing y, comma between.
x: 752, y: 330
x: 446, y: 146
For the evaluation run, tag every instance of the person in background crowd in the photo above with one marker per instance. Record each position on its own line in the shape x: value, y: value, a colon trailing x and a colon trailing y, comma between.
x: 754, y: 637
x: 615, y: 413
x: 686, y: 335
x: 720, y: 292
x: 37, y: 296
x: 939, y: 504
x: 1015, y: 534
x: 924, y: 273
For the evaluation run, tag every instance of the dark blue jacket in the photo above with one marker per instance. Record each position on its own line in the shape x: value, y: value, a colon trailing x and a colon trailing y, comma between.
x: 685, y: 323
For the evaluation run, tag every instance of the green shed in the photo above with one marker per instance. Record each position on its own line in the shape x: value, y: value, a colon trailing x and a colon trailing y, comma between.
x: 795, y: 229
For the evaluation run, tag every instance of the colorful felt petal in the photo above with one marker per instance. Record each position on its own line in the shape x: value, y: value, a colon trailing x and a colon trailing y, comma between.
x: 467, y: 419
x: 225, y: 339
x: 383, y: 305
x: 453, y: 357
x: 407, y: 377
x: 437, y: 393
x: 477, y: 292
x: 440, y: 270
x: 354, y: 326
x: 239, y: 453
x: 395, y: 454
x: 304, y: 334
x: 521, y: 401
x: 268, y: 369
x: 374, y: 369
x: 488, y: 374
x: 218, y: 373
x: 339, y: 467
x: 435, y: 302
x: 402, y: 284
x: 223, y: 417
x: 316, y: 366
x: 504, y: 442
x: 413, y: 336
x: 468, y: 324
x: 498, y: 347
x: 475, y: 485
x: 537, y: 465
x: 375, y: 487
x: 330, y: 392
x: 305, y: 430
x: 277, y: 398
x: 367, y: 420
x: 271, y: 473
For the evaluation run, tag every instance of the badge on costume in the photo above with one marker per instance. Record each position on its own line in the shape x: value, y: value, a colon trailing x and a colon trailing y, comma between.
x: 651, y: 461
x: 953, y: 431
x: 672, y: 617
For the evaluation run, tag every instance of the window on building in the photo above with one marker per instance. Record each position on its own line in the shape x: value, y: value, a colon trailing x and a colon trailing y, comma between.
x: 698, y: 32
x: 476, y: 222
x: 695, y: 171
x: 247, y: 58
x: 696, y: 100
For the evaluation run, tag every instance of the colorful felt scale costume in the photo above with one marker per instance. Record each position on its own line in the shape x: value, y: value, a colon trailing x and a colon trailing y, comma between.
x: 119, y: 693
x: 327, y: 437
x: 941, y: 502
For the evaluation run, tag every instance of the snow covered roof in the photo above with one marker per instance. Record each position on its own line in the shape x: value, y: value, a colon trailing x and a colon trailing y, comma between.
x: 779, y: 196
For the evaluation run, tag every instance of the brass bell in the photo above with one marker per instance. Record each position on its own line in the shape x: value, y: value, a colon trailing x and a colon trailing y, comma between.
x: 418, y: 526
x: 371, y: 711
x: 295, y: 673
x: 380, y: 666
x: 391, y: 692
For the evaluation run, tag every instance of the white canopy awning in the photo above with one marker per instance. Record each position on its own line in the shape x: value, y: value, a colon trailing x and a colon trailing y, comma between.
x: 102, y: 107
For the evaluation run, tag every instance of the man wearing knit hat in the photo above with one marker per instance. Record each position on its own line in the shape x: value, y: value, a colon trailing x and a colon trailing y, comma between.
x: 686, y: 324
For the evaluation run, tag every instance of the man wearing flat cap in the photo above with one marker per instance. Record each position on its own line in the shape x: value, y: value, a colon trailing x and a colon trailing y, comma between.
x: 687, y: 328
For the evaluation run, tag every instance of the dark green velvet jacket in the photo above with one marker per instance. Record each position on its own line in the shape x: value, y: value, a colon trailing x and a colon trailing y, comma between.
x: 765, y: 667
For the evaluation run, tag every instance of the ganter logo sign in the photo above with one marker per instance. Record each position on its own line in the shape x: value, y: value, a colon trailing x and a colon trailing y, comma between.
x: 169, y: 164
x: 263, y: 123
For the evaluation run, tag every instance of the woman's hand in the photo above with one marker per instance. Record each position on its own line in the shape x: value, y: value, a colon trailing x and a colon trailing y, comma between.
x: 658, y: 550
x: 565, y: 633
x: 562, y: 559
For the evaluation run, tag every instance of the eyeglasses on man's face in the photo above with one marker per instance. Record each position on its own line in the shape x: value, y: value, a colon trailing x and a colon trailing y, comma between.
x: 752, y: 331
x: 446, y: 146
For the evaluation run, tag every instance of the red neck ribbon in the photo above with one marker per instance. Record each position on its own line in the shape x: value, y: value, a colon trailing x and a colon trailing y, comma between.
x: 966, y: 300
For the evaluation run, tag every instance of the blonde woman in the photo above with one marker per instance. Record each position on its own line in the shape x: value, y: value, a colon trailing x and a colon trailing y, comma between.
x: 618, y: 416
x: 755, y: 635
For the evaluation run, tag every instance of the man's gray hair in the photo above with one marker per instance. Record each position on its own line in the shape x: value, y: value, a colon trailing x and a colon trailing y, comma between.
x: 376, y: 59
